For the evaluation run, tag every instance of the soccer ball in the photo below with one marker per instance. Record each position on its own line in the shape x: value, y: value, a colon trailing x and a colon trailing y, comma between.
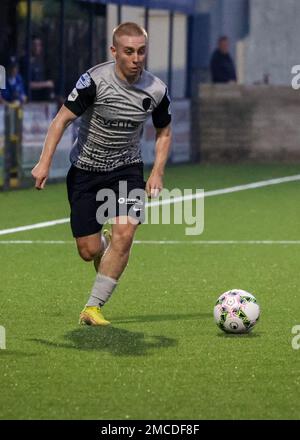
x: 236, y: 311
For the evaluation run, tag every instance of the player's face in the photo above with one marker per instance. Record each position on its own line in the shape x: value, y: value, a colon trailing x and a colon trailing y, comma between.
x: 130, y: 55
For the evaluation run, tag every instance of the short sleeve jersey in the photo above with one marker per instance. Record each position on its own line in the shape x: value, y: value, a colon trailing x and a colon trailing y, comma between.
x: 113, y: 113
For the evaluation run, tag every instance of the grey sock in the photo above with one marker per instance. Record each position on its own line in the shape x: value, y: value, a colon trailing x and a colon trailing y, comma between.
x: 102, y: 290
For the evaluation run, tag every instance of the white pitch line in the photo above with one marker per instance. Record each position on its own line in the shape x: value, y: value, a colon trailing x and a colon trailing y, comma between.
x: 218, y: 242
x: 216, y: 192
x: 229, y: 190
x: 169, y: 242
x: 34, y: 226
x: 36, y: 242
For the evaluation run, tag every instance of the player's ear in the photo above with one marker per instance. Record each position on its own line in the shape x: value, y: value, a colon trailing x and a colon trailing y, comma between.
x: 113, y: 51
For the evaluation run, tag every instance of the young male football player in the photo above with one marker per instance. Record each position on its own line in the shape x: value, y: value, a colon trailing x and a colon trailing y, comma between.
x: 114, y: 100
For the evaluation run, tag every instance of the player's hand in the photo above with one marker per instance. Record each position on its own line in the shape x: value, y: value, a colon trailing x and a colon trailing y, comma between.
x: 40, y: 173
x: 154, y: 185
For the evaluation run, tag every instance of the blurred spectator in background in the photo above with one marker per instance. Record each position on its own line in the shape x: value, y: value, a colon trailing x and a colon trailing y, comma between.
x: 221, y: 65
x: 41, y: 87
x: 14, y: 91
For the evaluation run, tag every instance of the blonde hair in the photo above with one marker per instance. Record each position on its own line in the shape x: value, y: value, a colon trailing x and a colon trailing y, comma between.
x: 129, y: 29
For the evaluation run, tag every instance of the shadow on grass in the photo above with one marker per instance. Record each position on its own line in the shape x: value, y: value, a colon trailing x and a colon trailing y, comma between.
x: 121, y: 342
x: 116, y: 341
x: 239, y: 335
x: 160, y: 318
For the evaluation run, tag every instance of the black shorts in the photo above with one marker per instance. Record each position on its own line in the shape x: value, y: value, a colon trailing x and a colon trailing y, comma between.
x: 119, y: 192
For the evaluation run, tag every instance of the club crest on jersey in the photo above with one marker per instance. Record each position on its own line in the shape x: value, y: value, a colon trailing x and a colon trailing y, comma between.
x: 146, y: 103
x: 84, y: 81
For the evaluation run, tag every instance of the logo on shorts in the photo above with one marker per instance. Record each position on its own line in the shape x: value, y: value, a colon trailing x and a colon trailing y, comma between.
x: 128, y: 201
x: 123, y: 203
x: 137, y: 204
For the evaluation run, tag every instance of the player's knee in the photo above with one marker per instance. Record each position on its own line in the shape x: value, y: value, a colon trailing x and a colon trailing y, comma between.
x: 88, y: 253
x: 122, y: 242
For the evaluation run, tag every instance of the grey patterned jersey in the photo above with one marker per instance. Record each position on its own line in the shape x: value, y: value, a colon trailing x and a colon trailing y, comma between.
x: 112, y: 116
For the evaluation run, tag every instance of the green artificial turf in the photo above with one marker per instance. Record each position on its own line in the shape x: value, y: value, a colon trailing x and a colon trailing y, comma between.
x: 163, y: 357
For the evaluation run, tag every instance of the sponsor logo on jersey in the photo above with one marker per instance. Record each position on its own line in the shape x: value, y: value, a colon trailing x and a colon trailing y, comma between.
x: 84, y: 81
x: 73, y: 95
x: 111, y: 123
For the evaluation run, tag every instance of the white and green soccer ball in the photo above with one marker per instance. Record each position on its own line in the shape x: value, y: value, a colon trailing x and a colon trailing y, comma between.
x: 236, y: 311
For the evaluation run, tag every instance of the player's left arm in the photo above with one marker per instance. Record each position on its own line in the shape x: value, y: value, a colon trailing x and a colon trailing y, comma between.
x: 162, y: 148
x: 161, y: 118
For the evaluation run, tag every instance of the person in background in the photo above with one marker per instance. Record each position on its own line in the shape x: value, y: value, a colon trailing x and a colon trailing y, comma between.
x: 221, y: 65
x: 14, y: 91
x: 41, y: 87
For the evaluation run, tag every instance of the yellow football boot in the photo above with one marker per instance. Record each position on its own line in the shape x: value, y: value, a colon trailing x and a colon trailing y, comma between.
x: 92, y: 315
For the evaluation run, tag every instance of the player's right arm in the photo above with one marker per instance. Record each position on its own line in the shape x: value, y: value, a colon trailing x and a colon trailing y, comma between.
x: 81, y: 97
x: 57, y: 127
